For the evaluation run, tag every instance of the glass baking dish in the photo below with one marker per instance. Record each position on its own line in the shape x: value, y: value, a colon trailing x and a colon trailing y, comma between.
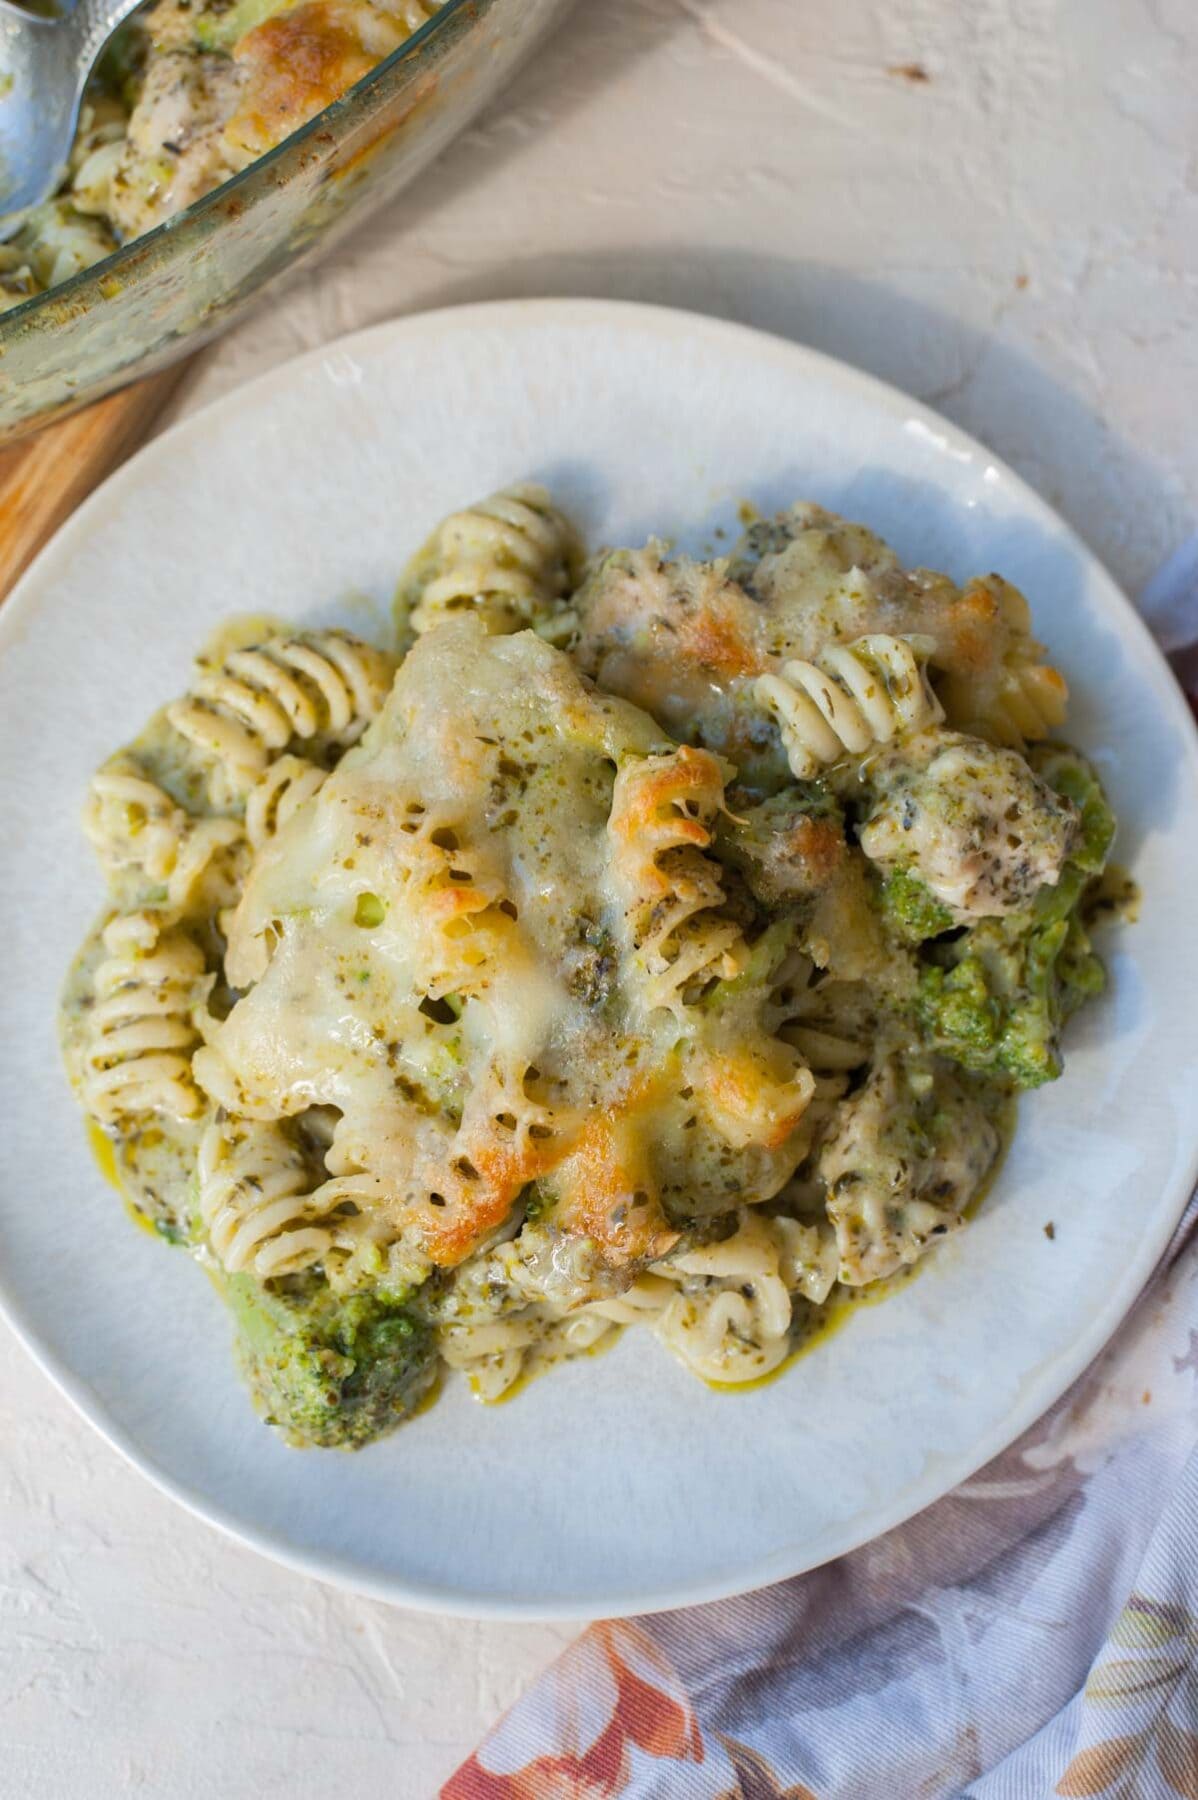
x: 163, y: 295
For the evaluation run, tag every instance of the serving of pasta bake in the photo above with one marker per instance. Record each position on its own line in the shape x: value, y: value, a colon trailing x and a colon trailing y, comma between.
x: 638, y: 941
x: 187, y: 94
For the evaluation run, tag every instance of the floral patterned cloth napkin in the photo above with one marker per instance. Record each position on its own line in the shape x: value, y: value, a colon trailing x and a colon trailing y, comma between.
x: 1033, y: 1634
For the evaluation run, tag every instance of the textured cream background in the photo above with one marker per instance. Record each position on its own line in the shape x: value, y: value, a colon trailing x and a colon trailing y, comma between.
x: 1014, y: 240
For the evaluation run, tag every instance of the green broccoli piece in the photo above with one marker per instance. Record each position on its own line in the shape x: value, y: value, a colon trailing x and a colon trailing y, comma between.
x: 910, y: 909
x: 1000, y: 1006
x: 998, y: 998
x: 957, y: 1008
x: 997, y: 1009
x: 221, y: 27
x: 1071, y: 775
x: 330, y: 1370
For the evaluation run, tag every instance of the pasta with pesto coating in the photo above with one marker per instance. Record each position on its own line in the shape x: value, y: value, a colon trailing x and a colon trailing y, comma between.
x: 663, y: 809
x: 1016, y: 698
x: 856, y: 697
x: 151, y: 849
x: 257, y: 1202
x: 657, y: 950
x: 277, y: 795
x: 258, y: 701
x: 508, y: 560
x: 141, y: 1028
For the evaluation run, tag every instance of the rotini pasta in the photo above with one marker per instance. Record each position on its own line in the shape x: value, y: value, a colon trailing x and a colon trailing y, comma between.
x: 829, y: 1023
x: 526, y: 1021
x: 257, y: 1203
x: 452, y: 1187
x: 495, y: 1355
x: 1032, y: 702
x: 856, y: 697
x: 131, y: 822
x: 450, y: 882
x: 507, y: 560
x: 155, y: 850
x: 1016, y: 698
x: 277, y: 796
x: 663, y: 809
x: 239, y: 715
x: 140, y: 1027
x: 1027, y: 702
x: 492, y: 1354
x: 726, y: 1309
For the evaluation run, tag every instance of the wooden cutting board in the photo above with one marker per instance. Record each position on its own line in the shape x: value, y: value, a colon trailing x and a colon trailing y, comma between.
x: 44, y: 478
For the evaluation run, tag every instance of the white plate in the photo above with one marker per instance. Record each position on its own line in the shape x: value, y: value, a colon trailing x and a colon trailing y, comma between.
x: 620, y: 1483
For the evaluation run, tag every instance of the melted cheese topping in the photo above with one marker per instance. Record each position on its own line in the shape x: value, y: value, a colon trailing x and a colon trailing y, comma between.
x: 477, y: 943
x: 295, y: 64
x: 462, y: 985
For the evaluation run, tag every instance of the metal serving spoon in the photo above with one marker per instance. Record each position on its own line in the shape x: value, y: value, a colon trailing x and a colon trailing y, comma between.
x: 44, y: 64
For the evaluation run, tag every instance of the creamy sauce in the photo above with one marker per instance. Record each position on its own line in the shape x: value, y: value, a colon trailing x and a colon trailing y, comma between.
x: 489, y: 991
x: 1116, y: 899
x: 104, y: 1156
x: 541, y: 1364
x: 827, y: 1320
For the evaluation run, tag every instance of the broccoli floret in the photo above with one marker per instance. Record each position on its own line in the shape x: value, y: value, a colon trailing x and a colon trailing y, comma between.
x: 221, y: 27
x: 330, y: 1370
x: 910, y: 908
x: 996, y: 1000
x: 1079, y: 970
x: 995, y: 1009
x: 1001, y: 1005
x: 1072, y: 776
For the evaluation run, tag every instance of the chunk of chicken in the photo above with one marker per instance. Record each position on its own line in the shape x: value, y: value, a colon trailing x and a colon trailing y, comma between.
x: 813, y: 575
x: 670, y: 636
x: 176, y: 149
x: 978, y: 827
x: 905, y: 1157
x: 822, y: 579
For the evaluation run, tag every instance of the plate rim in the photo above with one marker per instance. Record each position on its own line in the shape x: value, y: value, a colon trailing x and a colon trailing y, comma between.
x: 942, y: 1474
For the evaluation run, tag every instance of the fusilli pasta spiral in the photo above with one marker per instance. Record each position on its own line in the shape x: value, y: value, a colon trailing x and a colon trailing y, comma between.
x: 137, y: 830
x: 130, y: 821
x: 663, y: 809
x: 495, y: 1353
x: 508, y: 559
x: 259, y: 700
x: 725, y: 1309
x: 822, y: 1023
x: 1014, y: 700
x: 257, y: 1203
x: 856, y: 696
x: 1029, y: 705
x: 280, y: 792
x: 141, y: 1033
